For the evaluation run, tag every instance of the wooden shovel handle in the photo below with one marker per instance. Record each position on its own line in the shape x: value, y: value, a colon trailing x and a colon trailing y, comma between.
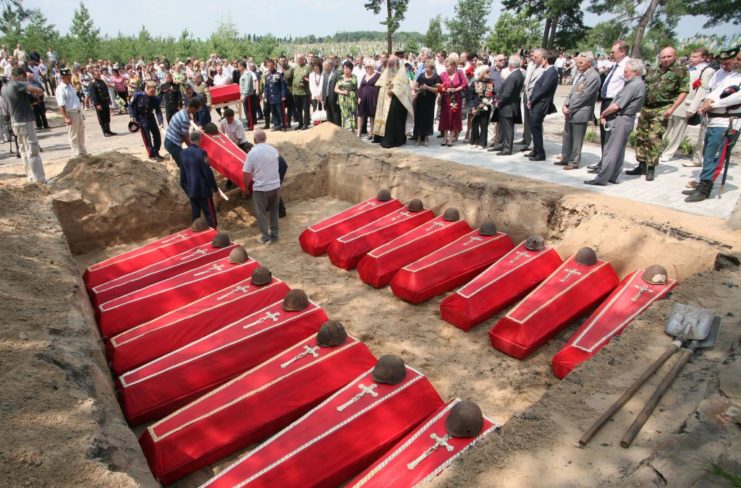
x: 637, y: 424
x: 597, y: 425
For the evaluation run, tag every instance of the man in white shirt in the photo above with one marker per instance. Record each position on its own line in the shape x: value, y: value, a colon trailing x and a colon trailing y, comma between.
x: 700, y: 76
x: 233, y: 129
x: 221, y: 78
x: 71, y: 109
x: 261, y: 171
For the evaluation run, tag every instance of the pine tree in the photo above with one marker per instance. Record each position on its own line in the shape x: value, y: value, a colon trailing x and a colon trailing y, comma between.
x: 434, y: 38
x: 468, y: 27
x: 84, y: 37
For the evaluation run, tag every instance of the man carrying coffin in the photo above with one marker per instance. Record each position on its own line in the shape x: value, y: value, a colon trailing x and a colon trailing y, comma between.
x: 394, y: 105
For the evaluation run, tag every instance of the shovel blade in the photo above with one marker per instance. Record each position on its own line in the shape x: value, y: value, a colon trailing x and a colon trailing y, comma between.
x: 689, y: 323
x: 709, y: 341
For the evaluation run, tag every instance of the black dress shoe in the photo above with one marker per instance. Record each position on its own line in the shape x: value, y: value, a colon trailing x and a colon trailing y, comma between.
x: 498, y: 147
x: 106, y: 134
x: 111, y: 133
x: 492, y: 149
x: 594, y: 182
x: 529, y: 155
x: 504, y: 153
x: 593, y: 171
x: 524, y: 149
x: 593, y: 166
x: 521, y: 142
x: 560, y: 163
x: 537, y: 158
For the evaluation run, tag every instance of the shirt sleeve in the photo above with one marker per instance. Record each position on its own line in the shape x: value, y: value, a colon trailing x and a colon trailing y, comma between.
x: 60, y: 97
x: 249, y: 166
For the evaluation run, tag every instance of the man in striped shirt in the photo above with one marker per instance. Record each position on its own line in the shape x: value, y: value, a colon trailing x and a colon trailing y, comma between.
x: 178, y: 132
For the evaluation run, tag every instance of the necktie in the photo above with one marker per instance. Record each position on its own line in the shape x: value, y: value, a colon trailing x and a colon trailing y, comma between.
x: 603, y: 92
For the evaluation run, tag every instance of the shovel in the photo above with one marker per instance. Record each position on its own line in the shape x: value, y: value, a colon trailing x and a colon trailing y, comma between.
x: 686, y: 323
x: 684, y: 356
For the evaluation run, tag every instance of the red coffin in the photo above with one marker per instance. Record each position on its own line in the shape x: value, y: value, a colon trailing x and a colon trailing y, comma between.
x: 567, y: 294
x: 135, y: 308
x: 503, y: 283
x: 251, y: 407
x: 625, y: 303
x: 338, y: 438
x: 161, y: 270
x: 408, y: 463
x: 225, y: 93
x: 449, y: 267
x: 150, y: 340
x: 349, y: 249
x: 379, y: 266
x: 316, y: 239
x: 143, y: 256
x: 161, y: 386
x: 225, y: 157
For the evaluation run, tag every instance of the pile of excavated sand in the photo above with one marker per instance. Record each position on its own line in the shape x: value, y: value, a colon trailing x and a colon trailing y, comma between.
x: 113, y: 197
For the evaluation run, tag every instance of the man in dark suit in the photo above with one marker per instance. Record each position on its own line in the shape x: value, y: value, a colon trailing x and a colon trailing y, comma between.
x: 541, y: 104
x: 200, y: 184
x: 329, y: 97
x: 508, y: 105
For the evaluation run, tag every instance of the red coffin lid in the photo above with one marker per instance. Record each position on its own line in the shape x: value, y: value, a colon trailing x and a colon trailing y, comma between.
x: 361, y: 208
x: 468, y: 243
x: 388, y: 220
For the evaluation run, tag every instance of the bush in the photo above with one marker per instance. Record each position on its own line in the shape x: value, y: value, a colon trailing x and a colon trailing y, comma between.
x: 632, y: 139
x: 592, y: 136
x: 687, y: 147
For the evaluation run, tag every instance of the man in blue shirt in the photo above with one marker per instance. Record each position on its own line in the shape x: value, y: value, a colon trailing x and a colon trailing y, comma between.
x: 178, y: 132
x: 145, y: 109
x: 200, y: 181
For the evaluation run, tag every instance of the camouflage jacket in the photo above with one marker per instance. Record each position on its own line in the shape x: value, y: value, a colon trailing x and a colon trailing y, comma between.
x: 663, y: 87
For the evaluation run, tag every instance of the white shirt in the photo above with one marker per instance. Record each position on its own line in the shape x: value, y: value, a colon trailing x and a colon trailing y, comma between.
x: 222, y: 79
x: 560, y: 61
x: 718, y: 77
x: 262, y: 164
x: 67, y: 97
x: 235, y: 131
x: 720, y: 104
x: 315, y: 84
x: 617, y: 80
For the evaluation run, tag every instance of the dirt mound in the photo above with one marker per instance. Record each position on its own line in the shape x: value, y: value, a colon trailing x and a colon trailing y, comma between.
x: 113, y: 198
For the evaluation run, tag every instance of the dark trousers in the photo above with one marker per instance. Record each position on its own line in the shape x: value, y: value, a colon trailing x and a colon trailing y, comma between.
x: 527, y: 134
x: 175, y: 151
x: 104, y: 117
x: 266, y: 114
x: 536, y: 129
x: 169, y: 112
x: 290, y: 113
x: 603, y: 134
x: 480, y: 128
x: 250, y: 110
x: 302, y: 110
x: 151, y: 136
x: 39, y: 111
x: 282, y: 170
x: 205, y: 207
x: 507, y: 125
x: 333, y: 113
x: 276, y: 114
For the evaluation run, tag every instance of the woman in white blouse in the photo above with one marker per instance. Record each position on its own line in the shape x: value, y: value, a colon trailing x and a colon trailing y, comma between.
x: 316, y: 79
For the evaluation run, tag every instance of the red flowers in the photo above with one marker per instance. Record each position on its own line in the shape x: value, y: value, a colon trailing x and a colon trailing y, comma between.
x: 696, y: 84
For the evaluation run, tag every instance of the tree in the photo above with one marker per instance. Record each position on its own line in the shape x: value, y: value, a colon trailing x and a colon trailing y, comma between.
x: 11, y: 18
x: 395, y: 11
x: 563, y: 19
x: 717, y: 11
x: 468, y: 27
x: 434, y: 38
x: 603, y: 35
x: 513, y: 32
x: 39, y: 33
x: 84, y: 37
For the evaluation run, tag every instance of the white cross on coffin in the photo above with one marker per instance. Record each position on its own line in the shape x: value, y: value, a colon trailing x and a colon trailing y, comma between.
x: 472, y: 239
x: 569, y: 274
x: 237, y: 289
x: 176, y: 237
x: 308, y: 351
x: 400, y: 215
x: 365, y: 390
x: 369, y: 203
x: 439, y: 442
x: 518, y: 255
x: 215, y: 267
x: 641, y: 290
x: 433, y: 225
x: 195, y: 253
x: 268, y: 316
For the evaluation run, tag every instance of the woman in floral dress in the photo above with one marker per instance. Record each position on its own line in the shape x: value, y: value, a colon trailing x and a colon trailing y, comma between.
x: 347, y: 90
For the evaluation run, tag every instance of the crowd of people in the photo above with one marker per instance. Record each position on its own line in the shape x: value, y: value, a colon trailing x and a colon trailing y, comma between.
x: 392, y: 98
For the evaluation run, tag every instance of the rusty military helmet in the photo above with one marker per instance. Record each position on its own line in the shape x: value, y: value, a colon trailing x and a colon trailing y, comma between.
x: 416, y: 205
x: 211, y: 129
x: 586, y: 256
x: 451, y: 215
x: 221, y: 240
x: 261, y: 276
x: 383, y: 195
x: 488, y: 228
x: 331, y: 334
x: 389, y: 369
x: 199, y: 225
x: 535, y: 243
x: 295, y: 301
x: 238, y: 255
x: 655, y: 275
x: 464, y: 420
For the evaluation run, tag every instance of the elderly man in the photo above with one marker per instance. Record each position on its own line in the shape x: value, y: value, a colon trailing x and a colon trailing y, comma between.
x: 261, y: 173
x: 300, y: 88
x: 614, y: 81
x: 534, y: 71
x: 666, y: 89
x: 722, y: 107
x: 234, y: 130
x: 578, y: 110
x: 508, y: 105
x: 71, y: 110
x: 699, y: 87
x: 619, y: 119
x: 16, y: 96
x: 540, y: 103
x: 496, y: 76
x: 394, y: 105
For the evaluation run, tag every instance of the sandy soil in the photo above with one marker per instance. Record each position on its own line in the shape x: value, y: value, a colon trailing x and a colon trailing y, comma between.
x: 63, y: 427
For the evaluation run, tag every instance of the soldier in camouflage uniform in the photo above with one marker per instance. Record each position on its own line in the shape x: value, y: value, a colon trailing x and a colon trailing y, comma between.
x: 666, y: 87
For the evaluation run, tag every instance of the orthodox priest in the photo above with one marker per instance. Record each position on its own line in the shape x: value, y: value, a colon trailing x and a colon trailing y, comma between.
x: 394, y: 106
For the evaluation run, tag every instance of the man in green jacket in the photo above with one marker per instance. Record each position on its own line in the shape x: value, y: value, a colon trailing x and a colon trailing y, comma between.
x: 300, y: 90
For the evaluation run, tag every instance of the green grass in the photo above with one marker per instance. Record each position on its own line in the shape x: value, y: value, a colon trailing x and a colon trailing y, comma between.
x: 720, y: 472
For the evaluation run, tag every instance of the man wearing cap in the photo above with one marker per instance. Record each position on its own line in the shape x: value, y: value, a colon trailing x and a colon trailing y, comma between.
x: 201, y: 184
x: 102, y: 100
x: 171, y: 96
x: 145, y: 109
x: 261, y: 169
x: 15, y: 93
x: 178, y: 132
x: 71, y: 108
x: 234, y: 130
